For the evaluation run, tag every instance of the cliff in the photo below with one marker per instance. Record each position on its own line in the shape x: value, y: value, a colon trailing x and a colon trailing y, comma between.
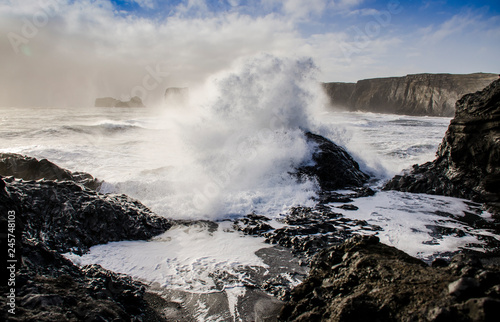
x: 418, y: 94
x: 468, y: 159
x: 113, y: 102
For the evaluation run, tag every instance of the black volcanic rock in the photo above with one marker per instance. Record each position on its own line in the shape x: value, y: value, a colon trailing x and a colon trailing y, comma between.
x: 66, y: 217
x: 50, y: 288
x: 28, y: 168
x: 364, y: 280
x: 418, y: 94
x: 468, y: 159
x: 48, y: 218
x: 305, y: 230
x: 334, y: 168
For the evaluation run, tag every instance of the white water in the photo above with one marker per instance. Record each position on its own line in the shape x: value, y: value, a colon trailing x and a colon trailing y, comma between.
x: 181, y: 258
x: 227, y: 154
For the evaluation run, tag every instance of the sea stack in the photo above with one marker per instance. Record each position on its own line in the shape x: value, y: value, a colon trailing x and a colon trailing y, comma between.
x: 177, y: 96
x: 113, y: 102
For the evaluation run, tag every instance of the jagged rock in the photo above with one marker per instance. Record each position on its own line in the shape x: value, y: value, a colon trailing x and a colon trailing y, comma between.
x: 468, y: 159
x: 463, y: 287
x: 50, y: 288
x: 52, y: 218
x: 177, y: 96
x: 334, y: 168
x: 67, y: 217
x: 305, y: 230
x: 113, y: 102
x: 28, y: 168
x: 364, y: 280
x: 418, y: 94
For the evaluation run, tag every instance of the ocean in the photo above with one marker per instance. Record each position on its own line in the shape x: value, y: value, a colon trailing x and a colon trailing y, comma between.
x: 229, y: 152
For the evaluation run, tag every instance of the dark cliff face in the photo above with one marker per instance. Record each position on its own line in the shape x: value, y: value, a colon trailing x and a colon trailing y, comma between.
x: 468, y: 159
x: 419, y: 94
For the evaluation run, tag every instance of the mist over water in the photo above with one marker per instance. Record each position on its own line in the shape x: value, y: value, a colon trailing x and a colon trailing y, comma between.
x: 238, y: 142
x: 229, y: 151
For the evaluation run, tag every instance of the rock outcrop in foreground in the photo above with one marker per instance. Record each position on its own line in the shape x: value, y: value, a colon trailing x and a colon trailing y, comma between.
x: 48, y: 218
x: 468, y: 159
x: 364, y: 280
x: 419, y: 94
x: 113, y: 102
x: 28, y: 168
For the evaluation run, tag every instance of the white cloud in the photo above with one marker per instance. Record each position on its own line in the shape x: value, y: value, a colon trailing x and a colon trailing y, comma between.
x: 145, y: 3
x: 302, y: 9
x: 457, y: 24
x: 86, y: 49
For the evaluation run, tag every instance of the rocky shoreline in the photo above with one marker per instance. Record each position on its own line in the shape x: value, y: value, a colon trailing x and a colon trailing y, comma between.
x: 52, y: 218
x: 467, y: 163
x: 351, y: 277
x: 364, y: 280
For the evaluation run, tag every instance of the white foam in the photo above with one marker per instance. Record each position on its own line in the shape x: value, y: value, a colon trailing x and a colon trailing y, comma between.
x: 182, y: 258
x: 404, y: 218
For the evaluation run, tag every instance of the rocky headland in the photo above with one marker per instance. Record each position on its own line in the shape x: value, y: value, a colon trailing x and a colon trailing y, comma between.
x: 468, y: 160
x: 113, y: 102
x: 417, y: 94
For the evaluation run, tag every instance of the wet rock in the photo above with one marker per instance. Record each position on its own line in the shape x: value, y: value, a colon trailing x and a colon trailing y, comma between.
x: 465, y: 287
x: 27, y: 168
x: 468, y: 160
x: 327, y: 197
x: 54, y: 217
x: 364, y: 280
x: 439, y: 262
x: 306, y: 230
x: 32, y: 301
x: 348, y: 207
x: 51, y: 288
x: 253, y: 224
x: 334, y: 168
x: 67, y: 217
x: 482, y: 309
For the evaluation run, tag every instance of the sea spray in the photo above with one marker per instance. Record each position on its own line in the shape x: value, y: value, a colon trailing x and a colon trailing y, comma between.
x: 238, y: 144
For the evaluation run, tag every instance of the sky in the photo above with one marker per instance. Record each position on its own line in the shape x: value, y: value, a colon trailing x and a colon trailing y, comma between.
x: 68, y: 52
